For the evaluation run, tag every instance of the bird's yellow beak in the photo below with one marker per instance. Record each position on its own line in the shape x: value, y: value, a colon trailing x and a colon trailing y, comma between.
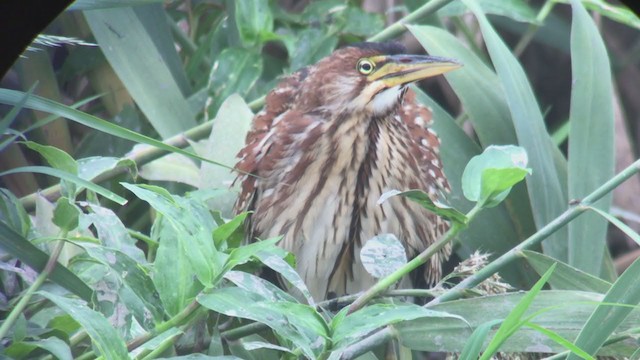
x: 393, y: 70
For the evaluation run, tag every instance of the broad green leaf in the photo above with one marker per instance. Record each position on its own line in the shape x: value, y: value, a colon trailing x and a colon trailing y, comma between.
x: 513, y: 321
x: 19, y: 247
x: 154, y: 343
x: 224, y: 231
x: 112, y: 232
x: 517, y: 10
x: 312, y: 45
x: 274, y: 259
x: 259, y: 286
x: 425, y: 201
x: 565, y: 312
x: 607, y: 318
x: 173, y: 275
x: 172, y: 167
x: 591, y: 138
x: 104, y: 337
x: 546, y: 191
x: 66, y: 215
x: 55, y: 157
x: 382, y: 255
x: 54, y: 345
x: 201, y: 357
x: 254, y: 21
x: 35, y: 102
x: 139, y: 46
x: 488, y: 177
x: 193, y: 225
x: 227, y: 137
x: 371, y: 317
x: 69, y: 177
x: 244, y: 253
x: 565, y: 277
x: 298, y: 323
x: 134, y: 277
x: 236, y: 70
x: 89, y: 168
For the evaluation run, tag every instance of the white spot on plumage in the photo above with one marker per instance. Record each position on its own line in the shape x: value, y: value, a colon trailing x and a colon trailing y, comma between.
x: 419, y: 121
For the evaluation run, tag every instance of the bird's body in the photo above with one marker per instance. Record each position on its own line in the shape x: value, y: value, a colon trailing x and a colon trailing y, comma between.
x: 328, y: 144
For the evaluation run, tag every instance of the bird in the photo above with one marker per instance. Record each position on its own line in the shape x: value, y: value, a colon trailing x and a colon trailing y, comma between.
x: 330, y: 140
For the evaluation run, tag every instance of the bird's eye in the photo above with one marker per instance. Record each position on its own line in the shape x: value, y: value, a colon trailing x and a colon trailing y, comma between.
x: 365, y: 66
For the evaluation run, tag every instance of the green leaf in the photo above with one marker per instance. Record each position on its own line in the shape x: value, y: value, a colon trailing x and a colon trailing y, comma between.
x: 244, y: 253
x: 565, y: 277
x: 193, y: 225
x: 223, y: 232
x: 473, y: 347
x: 619, y: 224
x: 13, y: 214
x: 103, y: 335
x: 66, y: 215
x: 172, y: 167
x: 517, y: 10
x: 138, y: 44
x: 10, y: 117
x: 364, y: 321
x: 545, y: 187
x: 227, y: 137
x: 382, y: 255
x: 35, y: 102
x: 607, y: 318
x: 69, y: 177
x: 560, y: 340
x: 55, y: 157
x: 19, y: 247
x: 425, y: 201
x: 513, y: 321
x: 591, y: 139
x: 259, y: 286
x: 112, y: 232
x: 274, y: 258
x: 619, y: 13
x: 54, y: 345
x: 564, y: 312
x: 236, y: 70
x: 312, y: 45
x: 298, y: 323
x: 488, y: 177
x: 254, y: 21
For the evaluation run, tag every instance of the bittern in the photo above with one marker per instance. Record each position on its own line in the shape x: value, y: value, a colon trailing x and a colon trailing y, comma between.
x: 331, y: 139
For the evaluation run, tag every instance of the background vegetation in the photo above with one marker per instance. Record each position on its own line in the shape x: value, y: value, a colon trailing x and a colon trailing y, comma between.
x: 132, y: 253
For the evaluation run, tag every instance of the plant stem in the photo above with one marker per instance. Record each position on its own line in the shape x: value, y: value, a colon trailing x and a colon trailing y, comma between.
x: 533, y: 28
x: 399, y: 26
x: 423, y: 257
x: 42, y: 277
x: 457, y: 291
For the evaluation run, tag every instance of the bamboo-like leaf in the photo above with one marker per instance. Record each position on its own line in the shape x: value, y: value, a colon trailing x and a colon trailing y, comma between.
x: 18, y: 246
x: 591, y: 147
x: 138, y: 44
x: 607, y: 318
x: 565, y: 277
x: 35, y: 102
x: 69, y: 177
x: 546, y: 192
x: 619, y: 224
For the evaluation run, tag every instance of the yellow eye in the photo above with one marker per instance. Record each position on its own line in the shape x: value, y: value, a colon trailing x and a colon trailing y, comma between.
x: 365, y: 66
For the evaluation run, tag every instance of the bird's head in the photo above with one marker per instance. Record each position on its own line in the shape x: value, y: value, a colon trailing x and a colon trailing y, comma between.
x: 369, y: 77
